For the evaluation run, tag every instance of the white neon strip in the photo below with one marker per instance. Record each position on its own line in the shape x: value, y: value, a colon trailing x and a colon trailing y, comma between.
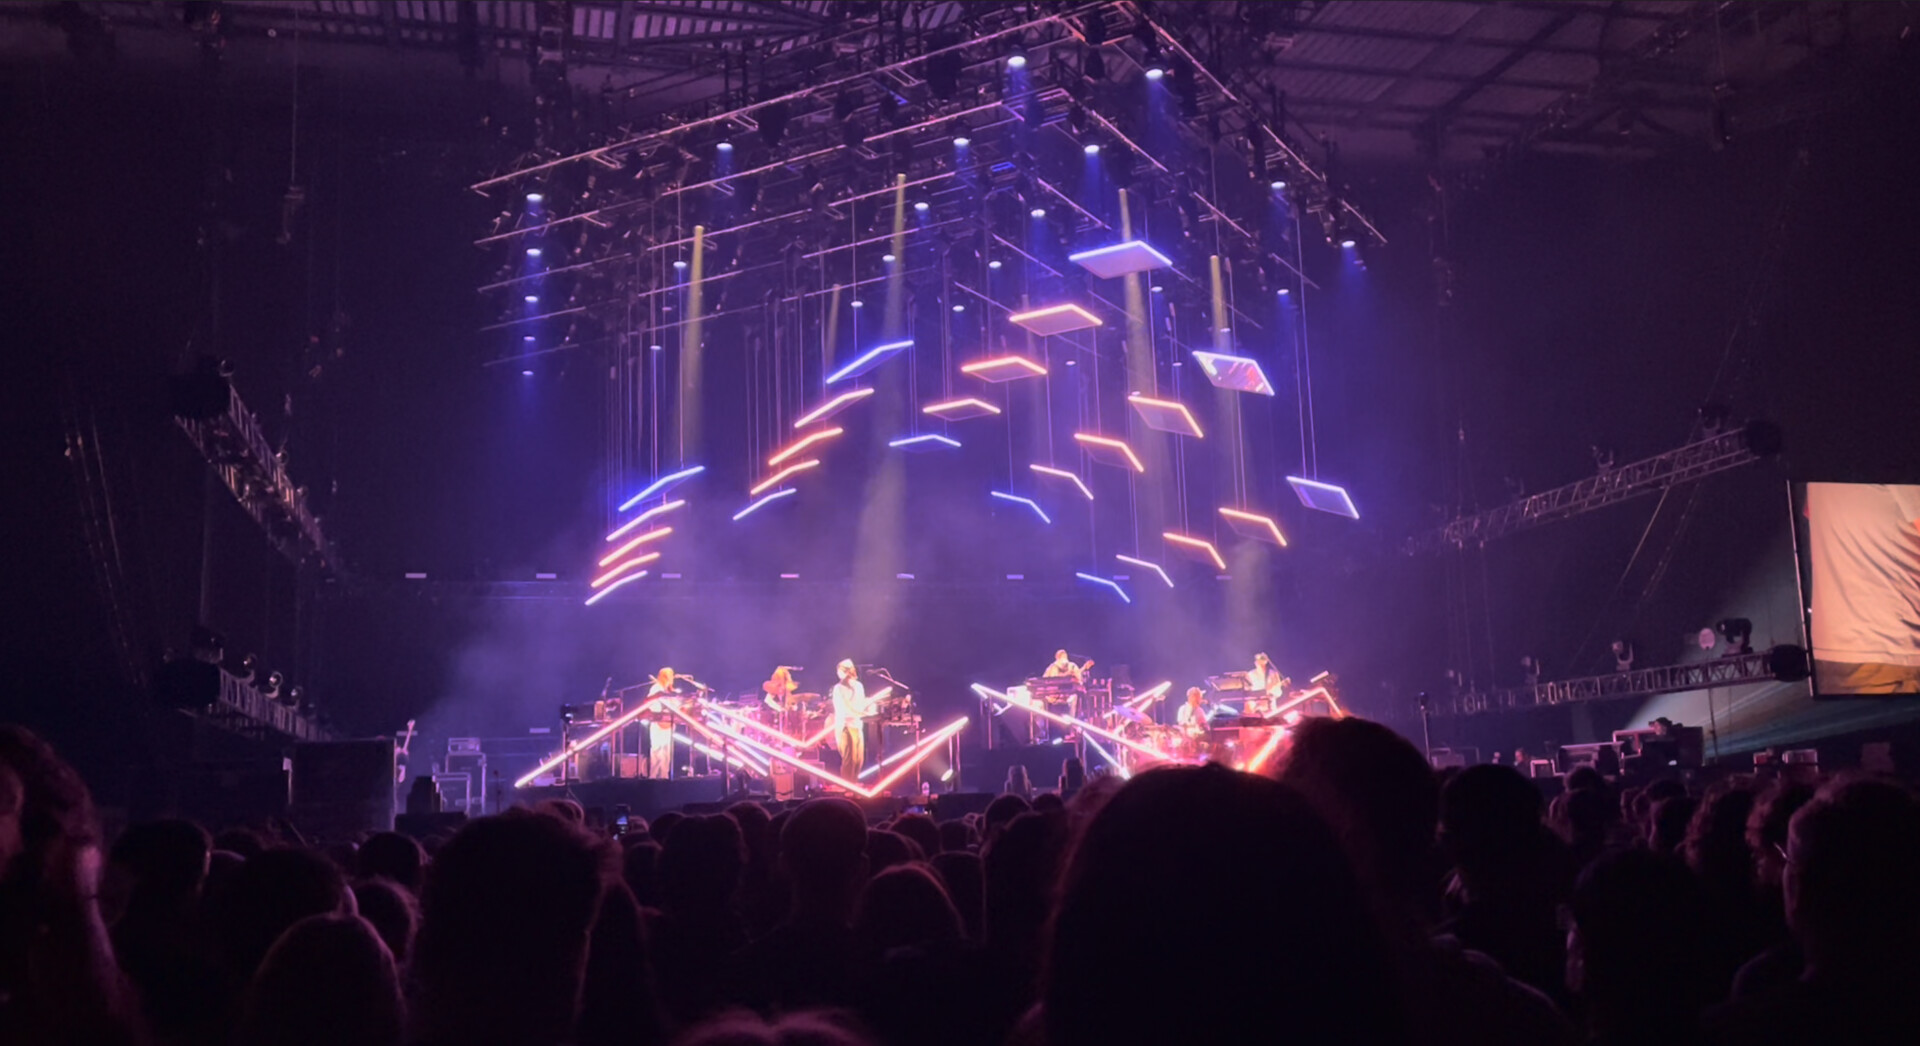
x: 927, y: 746
x: 935, y: 409
x: 831, y: 406
x: 1029, y: 502
x: 1250, y: 517
x: 1321, y: 676
x: 935, y: 437
x: 1140, y: 700
x: 1159, y: 404
x: 1266, y: 750
x: 774, y: 753
x: 1146, y: 564
x: 637, y: 561
x: 861, y: 361
x: 1054, y: 310
x: 1113, y: 444
x: 1141, y: 245
x: 605, y: 592
x: 578, y: 746
x: 1346, y: 500
x: 1109, y: 582
x: 803, y: 443
x: 1125, y: 774
x: 736, y: 717
x: 657, y: 510
x: 661, y: 484
x: 1067, y: 720
x: 742, y: 760
x: 1200, y: 544
x: 635, y: 543
x: 755, y: 506
x: 1071, y: 477
x: 774, y: 480
x: 979, y: 367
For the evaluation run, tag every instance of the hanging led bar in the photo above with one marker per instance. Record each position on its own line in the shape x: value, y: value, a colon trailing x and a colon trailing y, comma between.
x: 755, y: 506
x: 609, y: 590
x: 868, y: 360
x: 1146, y: 564
x: 781, y: 476
x: 924, y: 442
x: 960, y: 409
x: 1062, y: 474
x: 1109, y: 451
x: 651, y: 535
x: 1120, y: 259
x: 1106, y: 582
x: 1055, y: 319
x: 1323, y: 497
x: 1198, y: 548
x: 1166, y: 415
x: 637, y: 561
x: 803, y: 443
x: 1239, y: 373
x: 833, y: 406
x: 654, y: 512
x: 1029, y: 502
x: 1253, y: 525
x: 1003, y: 368
x: 665, y: 483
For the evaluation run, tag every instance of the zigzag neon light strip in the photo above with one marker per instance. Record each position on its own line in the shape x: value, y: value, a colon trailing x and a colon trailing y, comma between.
x: 777, y: 478
x: 1060, y: 473
x: 923, y: 748
x: 1121, y: 768
x: 1146, y: 564
x: 803, y: 443
x: 605, y: 592
x: 922, y: 441
x: 1067, y: 720
x: 657, y: 510
x: 743, y: 761
x: 1029, y: 502
x: 1108, y: 582
x: 635, y: 543
x: 659, y: 486
x: 832, y: 406
x: 1266, y: 751
x: 1197, y: 545
x: 581, y: 745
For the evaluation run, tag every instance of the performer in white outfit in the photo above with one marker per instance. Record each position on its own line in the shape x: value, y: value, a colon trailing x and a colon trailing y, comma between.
x: 663, y: 696
x: 850, y: 709
x: 1265, y: 686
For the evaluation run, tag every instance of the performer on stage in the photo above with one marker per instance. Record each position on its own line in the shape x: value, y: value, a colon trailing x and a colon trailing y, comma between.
x: 663, y: 695
x: 1192, y: 716
x: 1265, y: 686
x: 850, y: 709
x: 1064, y: 666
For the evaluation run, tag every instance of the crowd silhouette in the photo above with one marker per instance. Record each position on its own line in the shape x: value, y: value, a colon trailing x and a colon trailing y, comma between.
x: 1350, y: 895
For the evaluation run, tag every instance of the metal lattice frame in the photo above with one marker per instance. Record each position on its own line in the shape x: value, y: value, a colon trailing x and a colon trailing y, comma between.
x: 238, y: 450
x: 1642, y: 682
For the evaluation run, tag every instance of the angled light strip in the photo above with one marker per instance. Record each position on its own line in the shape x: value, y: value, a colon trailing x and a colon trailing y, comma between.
x: 832, y: 406
x: 1119, y: 259
x: 1197, y: 545
x: 1060, y: 473
x: 1255, y: 520
x: 743, y: 761
x: 605, y: 592
x: 777, y: 478
x: 1029, y: 502
x: 756, y: 725
x: 1109, y: 582
x: 1091, y: 440
x: 803, y: 443
x: 657, y: 510
x: 774, y: 753
x: 755, y: 506
x: 1039, y: 709
x: 1055, y: 319
x: 1146, y: 564
x: 1117, y: 765
x: 637, y: 561
x: 868, y: 360
x: 635, y: 543
x: 581, y: 745
x: 1159, y: 414
x: 659, y: 486
x: 1324, y: 497
x: 1266, y: 751
x: 888, y: 761
x: 1004, y: 368
x: 964, y: 407
x: 924, y: 441
x: 926, y: 747
x: 1149, y: 694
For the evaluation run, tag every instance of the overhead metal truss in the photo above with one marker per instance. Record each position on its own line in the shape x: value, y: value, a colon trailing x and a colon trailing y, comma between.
x: 237, y: 449
x: 1640, y: 682
x: 1697, y: 460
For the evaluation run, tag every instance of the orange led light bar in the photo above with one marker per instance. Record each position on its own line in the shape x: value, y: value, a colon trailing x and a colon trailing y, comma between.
x: 1266, y: 751
x: 1198, y: 545
x: 1166, y: 415
x: 637, y: 561
x: 833, y: 406
x: 1004, y: 368
x: 803, y: 443
x: 1254, y: 525
x: 1109, y: 449
x: 781, y: 476
x: 1055, y: 319
x: 1060, y: 473
x: 635, y: 543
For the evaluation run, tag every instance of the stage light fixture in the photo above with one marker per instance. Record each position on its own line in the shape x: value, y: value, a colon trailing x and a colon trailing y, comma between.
x: 1120, y: 259
x: 924, y: 441
x: 663, y: 484
x: 1003, y: 368
x: 623, y: 568
x: 1166, y: 415
x: 526, y: 374
x: 1029, y: 502
x: 1239, y: 373
x: 803, y: 443
x: 1062, y: 474
x: 857, y: 304
x: 1109, y: 451
x: 921, y: 206
x: 724, y: 146
x: 680, y: 263
x: 994, y: 265
x: 1055, y: 319
x: 1622, y: 655
x: 962, y: 140
x: 957, y: 307
x: 1018, y: 59
x: 1277, y: 186
x: 652, y: 513
x: 1155, y: 72
x: 889, y: 258
x: 960, y: 409
x: 1738, y: 632
x: 781, y: 476
x: 756, y: 505
x: 1198, y: 548
x: 526, y: 337
x: 1146, y: 564
x: 1253, y: 525
x: 868, y: 360
x: 1037, y: 212
x: 1091, y: 148
x: 1105, y: 582
x: 651, y: 535
x: 657, y: 348
x: 1323, y: 497
x: 533, y: 252
x: 534, y: 197
x: 531, y: 299
x: 1347, y: 244
x: 833, y: 406
x: 1284, y: 291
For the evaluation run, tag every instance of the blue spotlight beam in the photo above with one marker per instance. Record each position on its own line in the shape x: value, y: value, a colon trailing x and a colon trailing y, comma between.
x: 1107, y: 582
x: 869, y: 360
x: 1324, y: 497
x: 1029, y: 502
x: 663, y: 484
x: 758, y: 503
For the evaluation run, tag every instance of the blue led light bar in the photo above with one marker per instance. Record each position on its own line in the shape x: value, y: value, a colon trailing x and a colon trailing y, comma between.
x: 1108, y: 582
x: 868, y: 360
x: 1029, y: 502
x: 1323, y: 497
x: 663, y: 484
x: 924, y: 442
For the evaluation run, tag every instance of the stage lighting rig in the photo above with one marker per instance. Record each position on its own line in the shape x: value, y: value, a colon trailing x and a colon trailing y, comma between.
x: 1738, y: 633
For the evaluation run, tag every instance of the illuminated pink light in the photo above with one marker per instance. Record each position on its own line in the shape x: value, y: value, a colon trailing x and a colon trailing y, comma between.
x: 1090, y: 440
x: 1148, y: 695
x: 637, y: 561
x: 579, y: 746
x: 832, y: 406
x: 1145, y: 564
x: 635, y: 543
x: 1055, y: 319
x: 1067, y: 720
x: 773, y: 753
x: 657, y: 510
x: 1004, y: 368
x: 1146, y: 405
x: 1196, y: 544
x: 776, y: 479
x: 803, y: 443
x: 1255, y: 519
x: 1060, y: 473
x: 605, y: 592
x: 928, y: 745
x: 969, y: 405
x: 1266, y: 751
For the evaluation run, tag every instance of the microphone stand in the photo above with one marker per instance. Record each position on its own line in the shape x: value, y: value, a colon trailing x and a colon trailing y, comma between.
x: 1426, y: 729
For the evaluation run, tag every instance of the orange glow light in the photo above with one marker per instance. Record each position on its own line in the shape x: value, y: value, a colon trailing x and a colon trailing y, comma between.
x: 803, y: 443
x: 1198, y: 545
x: 779, y: 477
